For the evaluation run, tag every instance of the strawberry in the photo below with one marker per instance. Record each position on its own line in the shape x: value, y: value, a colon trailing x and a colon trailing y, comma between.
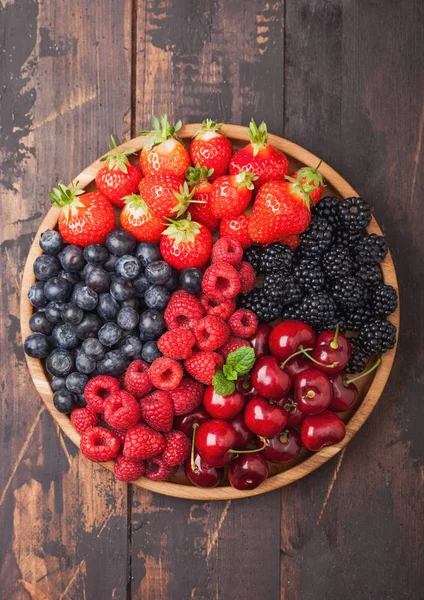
x: 186, y: 243
x: 260, y: 158
x: 236, y: 228
x: 163, y: 152
x: 85, y: 218
x: 281, y: 208
x: 137, y: 218
x: 231, y: 194
x: 312, y: 178
x: 161, y: 194
x: 200, y: 208
x: 210, y: 148
x: 118, y: 177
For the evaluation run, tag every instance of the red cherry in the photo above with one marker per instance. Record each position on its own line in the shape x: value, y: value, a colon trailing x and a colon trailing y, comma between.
x: 213, y: 441
x: 344, y: 396
x: 294, y: 415
x: 331, y: 351
x: 269, y: 379
x: 283, y: 447
x: 244, y: 435
x: 248, y: 471
x: 202, y: 474
x: 297, y: 364
x: 312, y: 391
x: 322, y: 430
x: 260, y: 340
x: 287, y: 336
x: 185, y: 422
x: 263, y: 417
x: 222, y: 407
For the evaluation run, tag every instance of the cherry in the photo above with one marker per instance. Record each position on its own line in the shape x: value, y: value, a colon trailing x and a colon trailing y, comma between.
x: 294, y: 415
x: 288, y: 336
x: 244, y: 435
x: 322, y: 430
x: 260, y: 340
x: 345, y: 393
x: 269, y: 379
x: 222, y: 407
x: 202, y: 474
x: 185, y: 422
x: 244, y: 385
x: 331, y: 351
x: 248, y: 471
x: 312, y: 391
x: 264, y: 417
x: 213, y: 441
x: 297, y: 364
x: 283, y: 447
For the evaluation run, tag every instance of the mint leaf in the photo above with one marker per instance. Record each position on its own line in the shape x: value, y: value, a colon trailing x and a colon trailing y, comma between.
x: 241, y: 360
x: 230, y: 373
x: 222, y: 386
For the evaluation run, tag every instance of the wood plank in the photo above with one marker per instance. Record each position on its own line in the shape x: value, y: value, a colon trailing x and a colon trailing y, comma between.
x: 66, y: 68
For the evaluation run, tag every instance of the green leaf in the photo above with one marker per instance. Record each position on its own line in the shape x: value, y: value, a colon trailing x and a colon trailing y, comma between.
x: 230, y: 373
x: 241, y: 360
x: 222, y: 386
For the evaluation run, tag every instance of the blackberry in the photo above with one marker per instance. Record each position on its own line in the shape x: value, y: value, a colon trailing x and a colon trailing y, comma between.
x: 309, y: 276
x: 253, y: 255
x: 292, y: 311
x: 369, y: 274
x: 336, y: 262
x: 282, y: 287
x: 348, y: 292
x: 265, y: 308
x: 276, y: 257
x: 354, y: 214
x: 331, y: 323
x: 341, y: 237
x: 317, y: 308
x: 377, y: 336
x: 328, y: 209
x: 357, y: 317
x: 371, y: 249
x: 358, y: 359
x: 317, y: 238
x: 383, y: 300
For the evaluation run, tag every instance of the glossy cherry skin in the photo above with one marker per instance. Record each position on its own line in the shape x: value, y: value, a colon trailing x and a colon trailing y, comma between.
x: 281, y: 448
x: 269, y: 379
x: 312, y: 391
x: 247, y: 471
x: 260, y: 340
x: 287, y: 336
x: 322, y: 430
x: 213, y: 440
x: 297, y: 364
x: 185, y: 422
x: 244, y: 435
x: 246, y: 387
x: 294, y: 415
x: 222, y: 407
x: 344, y: 396
x: 264, y: 417
x: 325, y: 353
x: 204, y: 475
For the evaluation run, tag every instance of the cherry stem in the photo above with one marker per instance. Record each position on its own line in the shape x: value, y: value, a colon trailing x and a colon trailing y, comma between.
x: 317, y: 362
x: 253, y: 449
x: 309, y: 394
x: 370, y: 370
x: 192, y: 463
x: 334, y: 344
x: 283, y: 436
x: 301, y: 351
x: 289, y: 405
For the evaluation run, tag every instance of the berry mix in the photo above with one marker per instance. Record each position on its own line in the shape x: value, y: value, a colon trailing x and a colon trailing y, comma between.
x: 209, y: 330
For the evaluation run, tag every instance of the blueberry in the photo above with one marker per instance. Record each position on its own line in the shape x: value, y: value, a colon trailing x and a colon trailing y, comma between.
x: 58, y: 383
x: 191, y: 280
x: 87, y: 270
x: 109, y: 334
x: 120, y: 242
x: 37, y: 345
x: 85, y: 297
x: 128, y: 318
x: 60, y: 363
x: 39, y: 323
x: 73, y: 278
x: 128, y: 266
x: 107, y: 307
x: 122, y: 289
x: 150, y: 352
x: 93, y: 348
x: 109, y: 265
x: 158, y: 272
x: 72, y: 258
x: 147, y: 253
x: 36, y: 295
x: 45, y: 267
x: 172, y: 283
x: 85, y: 364
x: 57, y: 289
x: 96, y: 254
x: 130, y: 347
x: 71, y: 313
x: 140, y: 286
x: 88, y: 327
x: 151, y: 325
x: 54, y: 312
x: 76, y: 382
x: 98, y: 279
x: 81, y: 401
x: 157, y: 297
x: 131, y: 302
x: 64, y: 336
x: 51, y: 242
x: 113, y: 363
x: 64, y: 401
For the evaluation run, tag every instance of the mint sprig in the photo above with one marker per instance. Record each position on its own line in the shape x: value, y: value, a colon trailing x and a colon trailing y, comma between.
x: 238, y: 363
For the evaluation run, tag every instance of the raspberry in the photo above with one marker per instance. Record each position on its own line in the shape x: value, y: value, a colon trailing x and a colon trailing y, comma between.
x: 177, y: 448
x: 83, y: 418
x: 157, y: 410
x: 232, y: 345
x: 247, y: 276
x: 99, y: 444
x: 236, y: 228
x: 211, y: 333
x: 158, y: 470
x: 127, y: 470
x: 227, y: 250
x: 121, y: 410
x: 98, y: 389
x: 202, y: 366
x: 243, y: 323
x: 142, y: 442
x: 165, y: 373
x: 183, y: 310
x: 137, y: 381
x: 292, y: 241
x: 177, y: 343
x: 221, y: 282
x: 187, y: 396
x: 223, y: 310
x: 120, y: 434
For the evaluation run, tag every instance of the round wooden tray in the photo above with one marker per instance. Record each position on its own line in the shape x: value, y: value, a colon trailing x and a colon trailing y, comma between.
x: 370, y: 387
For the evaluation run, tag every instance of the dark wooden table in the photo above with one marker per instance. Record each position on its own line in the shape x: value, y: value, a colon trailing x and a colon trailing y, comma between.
x: 345, y: 80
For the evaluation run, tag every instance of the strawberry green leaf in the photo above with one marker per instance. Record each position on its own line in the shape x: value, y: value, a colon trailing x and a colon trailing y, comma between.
x: 241, y: 360
x: 222, y: 386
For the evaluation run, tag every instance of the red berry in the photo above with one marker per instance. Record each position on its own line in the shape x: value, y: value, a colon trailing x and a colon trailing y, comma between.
x: 165, y: 373
x: 187, y: 396
x: 183, y: 310
x: 99, y: 444
x: 211, y: 333
x: 128, y: 470
x: 223, y: 310
x: 83, y: 418
x: 157, y: 410
x: 227, y: 250
x: 121, y: 410
x: 232, y: 345
x: 158, y: 470
x: 98, y: 389
x: 221, y: 282
x: 186, y: 243
x: 136, y: 379
x: 177, y: 448
x: 247, y: 276
x: 115, y: 183
x: 142, y: 442
x: 236, y: 228
x: 211, y: 149
x: 243, y: 323
x: 120, y: 434
x: 203, y: 365
x: 177, y: 343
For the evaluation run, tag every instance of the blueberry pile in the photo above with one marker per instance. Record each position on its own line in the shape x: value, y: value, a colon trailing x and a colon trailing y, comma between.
x: 333, y: 277
x: 98, y: 308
